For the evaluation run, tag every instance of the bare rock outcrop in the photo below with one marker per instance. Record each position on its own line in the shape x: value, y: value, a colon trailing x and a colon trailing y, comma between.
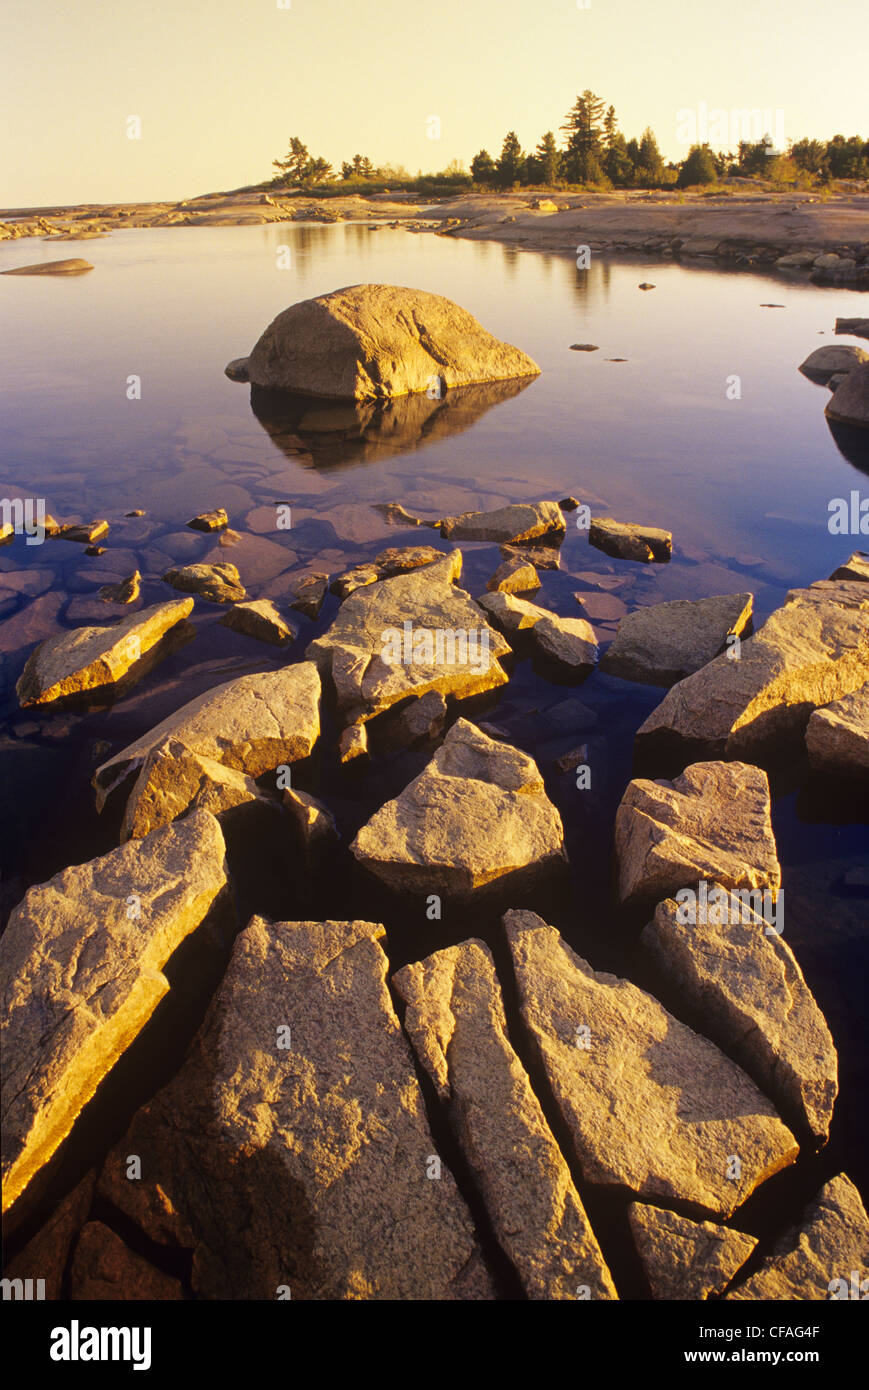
x: 686, y: 1260
x: 825, y: 1257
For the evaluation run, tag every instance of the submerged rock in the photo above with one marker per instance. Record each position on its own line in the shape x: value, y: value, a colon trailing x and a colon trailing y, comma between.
x: 650, y: 1106
x: 811, y: 651
x: 712, y: 823
x: 94, y: 658
x: 741, y: 977
x: 405, y: 636
x: 261, y: 619
x: 686, y: 1259
x: 665, y: 642
x: 307, y: 593
x: 819, y: 1258
x: 476, y: 817
x: 216, y: 583
x: 524, y: 521
x: 74, y: 266
x: 837, y: 736
x: 292, y: 1152
x: 82, y: 960
x: 455, y: 1021
x: 378, y: 341
x: 629, y: 541
x: 253, y: 724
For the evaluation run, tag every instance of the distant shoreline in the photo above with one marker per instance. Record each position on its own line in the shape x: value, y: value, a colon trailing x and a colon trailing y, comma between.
x: 742, y: 228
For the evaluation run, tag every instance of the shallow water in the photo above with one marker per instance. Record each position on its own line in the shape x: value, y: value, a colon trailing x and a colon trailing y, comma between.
x: 743, y: 484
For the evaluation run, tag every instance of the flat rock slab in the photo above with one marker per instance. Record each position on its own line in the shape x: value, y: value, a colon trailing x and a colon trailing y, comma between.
x: 819, y: 1258
x: 106, y: 1269
x: 810, y: 652
x: 455, y: 1021
x: 736, y: 972
x: 524, y: 521
x: 650, y: 1106
x: 664, y: 642
x: 174, y: 780
x: 292, y: 1150
x: 476, y: 817
x: 405, y: 636
x: 73, y: 266
x: 260, y: 619
x: 686, y: 1260
x: 858, y: 327
x: 82, y: 958
x: 373, y: 342
x: 849, y: 403
x: 94, y: 658
x: 216, y: 583
x: 209, y: 521
x: 253, y: 724
x: 712, y: 822
x: 628, y: 541
x: 837, y: 736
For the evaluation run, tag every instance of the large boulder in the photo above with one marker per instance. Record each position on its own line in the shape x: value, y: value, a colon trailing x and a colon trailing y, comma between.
x: 837, y: 736
x: 477, y: 816
x: 734, y: 970
x: 523, y: 521
x: 405, y: 636
x: 94, y: 658
x: 292, y: 1152
x: 686, y: 1260
x: 649, y: 1106
x: 629, y: 541
x: 455, y: 1021
x: 712, y: 823
x: 811, y: 651
x: 369, y: 342
x: 855, y: 567
x: 82, y: 959
x: 849, y: 403
x: 253, y: 724
x: 664, y: 642
x: 825, y: 1257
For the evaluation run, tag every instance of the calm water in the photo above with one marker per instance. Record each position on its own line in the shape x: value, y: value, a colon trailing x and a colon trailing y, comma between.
x: 743, y: 484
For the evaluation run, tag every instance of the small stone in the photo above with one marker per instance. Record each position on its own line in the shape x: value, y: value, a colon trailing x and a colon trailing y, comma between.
x: 569, y: 504
x: 353, y: 743
x: 136, y: 512
x: 209, y: 521
x: 401, y: 559
x: 216, y: 583
x: 238, y: 369
x: 514, y: 577
x: 313, y: 821
x: 645, y: 286
x: 584, y: 347
x: 601, y: 607
x: 628, y: 541
x: 856, y: 567
x: 260, y: 619
x: 84, y: 532
x: 127, y: 591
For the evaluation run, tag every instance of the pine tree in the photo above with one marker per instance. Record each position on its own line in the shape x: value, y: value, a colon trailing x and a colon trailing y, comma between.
x: 584, y: 132
x: 483, y: 168
x: 295, y: 161
x: 512, y: 159
x: 547, y: 161
x: 650, y: 164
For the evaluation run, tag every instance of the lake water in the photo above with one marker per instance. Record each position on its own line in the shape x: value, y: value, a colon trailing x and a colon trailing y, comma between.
x: 744, y: 484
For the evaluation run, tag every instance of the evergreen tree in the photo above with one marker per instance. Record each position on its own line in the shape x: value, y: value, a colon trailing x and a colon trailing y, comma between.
x: 547, y: 160
x: 584, y: 130
x: 617, y: 163
x: 510, y: 165
x: 483, y: 168
x: 698, y: 167
x: 650, y: 162
x: 295, y: 161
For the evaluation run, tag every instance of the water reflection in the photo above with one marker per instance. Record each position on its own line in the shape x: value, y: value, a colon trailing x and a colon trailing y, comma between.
x: 341, y: 434
x: 852, y: 443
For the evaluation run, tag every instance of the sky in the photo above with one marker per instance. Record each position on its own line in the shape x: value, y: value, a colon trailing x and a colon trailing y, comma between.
x: 219, y: 86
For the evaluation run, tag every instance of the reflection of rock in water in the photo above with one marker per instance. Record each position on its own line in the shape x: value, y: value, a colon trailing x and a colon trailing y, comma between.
x: 852, y: 443
x: 338, y: 434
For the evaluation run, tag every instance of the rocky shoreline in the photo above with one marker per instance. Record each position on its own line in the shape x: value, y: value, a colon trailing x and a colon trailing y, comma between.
x: 799, y: 235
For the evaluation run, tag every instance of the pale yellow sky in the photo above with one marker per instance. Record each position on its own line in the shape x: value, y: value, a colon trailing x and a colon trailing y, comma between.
x: 220, y: 85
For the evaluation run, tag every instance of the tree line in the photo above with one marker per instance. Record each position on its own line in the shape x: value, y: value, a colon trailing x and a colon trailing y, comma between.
x: 594, y: 153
